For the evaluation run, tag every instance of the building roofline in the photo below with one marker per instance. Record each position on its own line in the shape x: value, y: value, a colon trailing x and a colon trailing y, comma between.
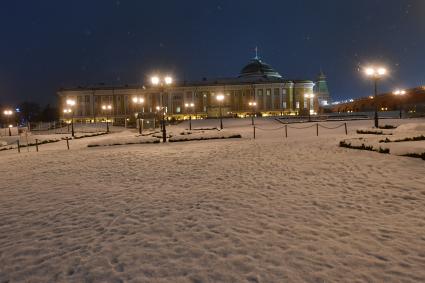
x: 203, y: 83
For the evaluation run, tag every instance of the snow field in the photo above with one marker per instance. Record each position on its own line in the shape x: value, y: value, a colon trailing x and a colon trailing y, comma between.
x: 299, y: 209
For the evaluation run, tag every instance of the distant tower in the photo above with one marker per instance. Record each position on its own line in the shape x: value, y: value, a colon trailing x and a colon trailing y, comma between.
x: 321, y: 90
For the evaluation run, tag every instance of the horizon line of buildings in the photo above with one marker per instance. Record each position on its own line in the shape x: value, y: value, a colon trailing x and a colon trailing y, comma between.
x: 257, y: 82
x: 412, y: 100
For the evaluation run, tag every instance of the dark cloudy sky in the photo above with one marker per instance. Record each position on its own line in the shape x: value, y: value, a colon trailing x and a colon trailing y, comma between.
x: 53, y: 43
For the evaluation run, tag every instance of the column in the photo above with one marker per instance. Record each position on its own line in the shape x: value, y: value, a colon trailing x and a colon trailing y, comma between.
x: 281, y: 90
x: 169, y: 102
x: 92, y: 103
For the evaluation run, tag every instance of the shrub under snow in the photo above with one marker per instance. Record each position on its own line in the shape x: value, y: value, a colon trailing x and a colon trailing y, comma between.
x: 195, y: 136
x: 406, y: 140
x: 123, y: 140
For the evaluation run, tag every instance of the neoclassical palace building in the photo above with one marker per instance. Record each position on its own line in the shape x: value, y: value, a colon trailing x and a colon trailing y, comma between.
x: 257, y: 82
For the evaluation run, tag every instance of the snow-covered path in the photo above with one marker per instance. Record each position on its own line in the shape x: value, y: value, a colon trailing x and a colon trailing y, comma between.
x: 264, y: 210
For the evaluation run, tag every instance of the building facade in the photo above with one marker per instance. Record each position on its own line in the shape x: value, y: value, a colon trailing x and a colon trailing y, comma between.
x: 257, y: 82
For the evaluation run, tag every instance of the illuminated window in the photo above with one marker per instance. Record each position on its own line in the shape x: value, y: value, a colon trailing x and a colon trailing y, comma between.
x: 178, y: 109
x: 297, y: 105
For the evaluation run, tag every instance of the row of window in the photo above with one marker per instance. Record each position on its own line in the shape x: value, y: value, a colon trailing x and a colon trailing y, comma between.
x: 123, y: 103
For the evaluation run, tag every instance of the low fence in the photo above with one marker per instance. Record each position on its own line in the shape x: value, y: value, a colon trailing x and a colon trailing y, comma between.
x: 285, y: 128
x: 23, y: 142
x: 18, y: 145
x: 47, y: 128
x: 320, y: 118
x: 346, y: 116
x: 12, y: 131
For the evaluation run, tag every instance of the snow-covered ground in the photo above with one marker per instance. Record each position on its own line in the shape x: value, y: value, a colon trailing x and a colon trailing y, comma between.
x: 300, y: 209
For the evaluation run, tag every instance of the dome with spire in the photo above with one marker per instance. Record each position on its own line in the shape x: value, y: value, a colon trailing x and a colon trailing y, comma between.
x: 258, y: 68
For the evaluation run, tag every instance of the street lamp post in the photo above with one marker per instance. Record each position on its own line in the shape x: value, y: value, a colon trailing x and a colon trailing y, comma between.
x: 66, y: 112
x: 253, y: 105
x: 400, y: 93
x: 107, y: 109
x: 309, y: 97
x: 220, y: 99
x: 162, y: 83
x: 157, y: 112
x: 71, y: 103
x: 8, y: 113
x: 375, y: 74
x: 190, y: 106
x: 140, y: 101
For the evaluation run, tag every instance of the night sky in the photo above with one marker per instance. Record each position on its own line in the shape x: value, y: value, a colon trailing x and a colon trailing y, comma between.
x: 50, y: 44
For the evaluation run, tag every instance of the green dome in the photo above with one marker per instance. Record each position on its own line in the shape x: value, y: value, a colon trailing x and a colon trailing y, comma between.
x: 258, y: 68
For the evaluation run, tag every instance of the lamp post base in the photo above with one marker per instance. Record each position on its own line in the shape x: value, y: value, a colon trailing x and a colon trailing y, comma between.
x: 107, y: 124
x: 221, y: 118
x: 164, y: 132
x: 376, y: 120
